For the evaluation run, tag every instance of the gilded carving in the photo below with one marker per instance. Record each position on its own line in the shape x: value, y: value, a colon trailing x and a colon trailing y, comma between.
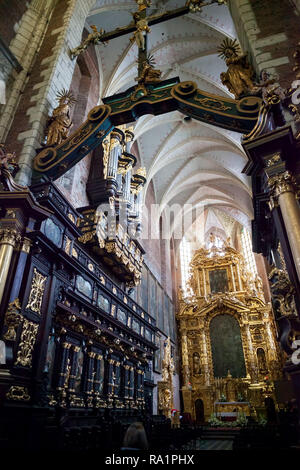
x: 238, y: 78
x: 244, y: 301
x: 281, y: 183
x: 165, y: 387
x: 27, y: 342
x: 12, y: 320
x: 18, y: 393
x: 36, y: 292
x: 60, y: 122
x: 9, y: 236
x: 93, y: 38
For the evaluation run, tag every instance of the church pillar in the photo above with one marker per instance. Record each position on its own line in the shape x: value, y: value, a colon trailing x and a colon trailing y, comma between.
x: 8, y: 239
x: 282, y: 189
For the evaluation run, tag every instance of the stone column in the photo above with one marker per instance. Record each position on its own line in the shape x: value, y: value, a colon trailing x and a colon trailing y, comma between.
x: 8, y: 239
x: 282, y: 191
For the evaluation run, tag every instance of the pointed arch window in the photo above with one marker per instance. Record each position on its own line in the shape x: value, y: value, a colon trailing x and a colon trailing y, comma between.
x: 247, y: 251
x: 185, y: 259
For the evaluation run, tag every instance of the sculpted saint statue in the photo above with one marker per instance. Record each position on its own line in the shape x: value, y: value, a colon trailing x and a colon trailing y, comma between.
x: 238, y: 78
x: 60, y: 123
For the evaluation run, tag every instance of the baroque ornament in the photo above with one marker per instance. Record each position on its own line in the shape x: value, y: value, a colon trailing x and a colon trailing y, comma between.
x: 36, y: 292
x: 13, y: 319
x: 27, y: 342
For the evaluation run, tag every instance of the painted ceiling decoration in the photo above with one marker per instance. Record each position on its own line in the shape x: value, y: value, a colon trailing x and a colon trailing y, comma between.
x: 192, y: 154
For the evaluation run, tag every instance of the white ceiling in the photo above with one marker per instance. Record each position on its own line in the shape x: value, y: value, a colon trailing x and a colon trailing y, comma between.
x: 188, y: 162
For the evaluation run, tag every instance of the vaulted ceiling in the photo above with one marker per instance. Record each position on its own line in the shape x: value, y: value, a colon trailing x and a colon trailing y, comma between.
x: 189, y: 162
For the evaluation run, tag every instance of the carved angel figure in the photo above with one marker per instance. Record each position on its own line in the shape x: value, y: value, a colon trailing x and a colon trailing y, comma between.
x: 60, y: 123
x: 93, y: 38
x: 268, y: 89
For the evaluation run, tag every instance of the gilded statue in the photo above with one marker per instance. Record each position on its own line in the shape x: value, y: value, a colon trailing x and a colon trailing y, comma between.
x: 238, y: 78
x: 142, y: 28
x: 143, y: 4
x: 60, y: 122
x: 93, y: 38
x: 148, y: 73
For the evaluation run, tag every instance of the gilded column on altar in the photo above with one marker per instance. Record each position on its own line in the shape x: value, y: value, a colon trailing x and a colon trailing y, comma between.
x: 282, y: 188
x: 8, y: 239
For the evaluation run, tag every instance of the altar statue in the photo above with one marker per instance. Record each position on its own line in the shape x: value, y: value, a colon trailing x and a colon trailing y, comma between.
x: 238, y: 78
x: 142, y: 28
x: 60, y: 122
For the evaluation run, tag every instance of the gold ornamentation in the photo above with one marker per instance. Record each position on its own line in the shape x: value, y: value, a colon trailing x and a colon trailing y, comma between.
x: 243, y: 299
x: 283, y: 293
x: 36, y: 292
x: 12, y: 320
x: 274, y: 159
x: 68, y: 245
x: 281, y: 183
x: 238, y: 78
x: 26, y: 245
x: 93, y: 38
x: 27, y: 342
x: 17, y: 393
x: 9, y: 236
x: 212, y: 104
x: 74, y: 253
x: 71, y: 217
x: 60, y: 123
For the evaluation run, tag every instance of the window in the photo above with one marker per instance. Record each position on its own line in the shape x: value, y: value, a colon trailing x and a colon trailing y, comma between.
x: 247, y: 251
x: 185, y: 259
